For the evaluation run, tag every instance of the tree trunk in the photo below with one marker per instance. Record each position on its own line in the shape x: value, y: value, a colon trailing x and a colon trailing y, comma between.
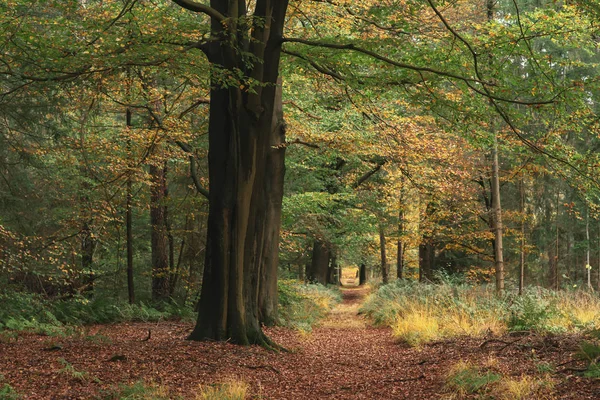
x: 496, y: 204
x: 273, y: 189
x: 362, y: 275
x: 588, y: 266
x: 332, y: 273
x: 159, y: 242
x: 426, y: 255
x: 384, y: 266
x: 88, y: 246
x: 129, y: 239
x: 319, y: 267
x: 400, y: 252
x: 522, y: 259
x: 240, y: 126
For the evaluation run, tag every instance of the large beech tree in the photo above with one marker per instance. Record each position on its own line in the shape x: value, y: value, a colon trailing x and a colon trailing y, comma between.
x: 246, y: 44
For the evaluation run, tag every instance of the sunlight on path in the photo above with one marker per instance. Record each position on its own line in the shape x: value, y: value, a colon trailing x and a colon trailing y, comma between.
x: 345, y: 315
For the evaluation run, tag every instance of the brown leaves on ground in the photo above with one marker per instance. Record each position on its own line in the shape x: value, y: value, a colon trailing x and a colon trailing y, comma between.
x: 342, y: 359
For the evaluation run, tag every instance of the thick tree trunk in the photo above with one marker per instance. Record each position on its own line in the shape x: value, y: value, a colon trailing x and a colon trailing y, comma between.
x: 273, y: 189
x: 362, y: 275
x: 158, y: 237
x: 319, y: 267
x: 332, y: 277
x: 240, y: 126
x: 426, y: 256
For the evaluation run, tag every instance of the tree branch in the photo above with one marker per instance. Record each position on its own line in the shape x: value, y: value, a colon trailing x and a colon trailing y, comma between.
x: 200, y: 8
x: 353, y: 47
x: 369, y: 174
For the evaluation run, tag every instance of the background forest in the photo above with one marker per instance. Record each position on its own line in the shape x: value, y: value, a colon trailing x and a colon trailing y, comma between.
x: 395, y: 114
x: 161, y: 159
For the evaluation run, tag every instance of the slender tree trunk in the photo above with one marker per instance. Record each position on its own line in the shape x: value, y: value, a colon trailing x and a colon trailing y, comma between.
x: 170, y: 239
x: 159, y: 241
x: 88, y: 247
x: 556, y: 282
x: 522, y: 260
x: 129, y: 240
x: 588, y: 266
x: 384, y: 266
x: 240, y: 126
x: 400, y: 251
x: 496, y: 203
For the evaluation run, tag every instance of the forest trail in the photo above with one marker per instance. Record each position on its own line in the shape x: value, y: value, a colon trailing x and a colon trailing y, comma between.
x: 342, y: 358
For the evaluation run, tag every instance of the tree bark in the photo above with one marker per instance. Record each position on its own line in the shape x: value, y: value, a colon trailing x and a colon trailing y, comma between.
x: 426, y: 255
x: 400, y: 251
x: 522, y: 259
x: 319, y: 267
x: 158, y: 237
x: 496, y: 203
x: 384, y: 266
x: 240, y: 126
x: 273, y: 189
x: 129, y: 240
x: 88, y: 247
x: 362, y: 275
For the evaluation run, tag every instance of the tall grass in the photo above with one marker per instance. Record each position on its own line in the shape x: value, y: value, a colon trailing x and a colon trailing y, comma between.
x: 303, y: 305
x: 420, y: 313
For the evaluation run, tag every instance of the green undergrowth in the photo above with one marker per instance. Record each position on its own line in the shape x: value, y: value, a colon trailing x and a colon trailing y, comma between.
x: 467, y: 380
x: 419, y: 313
x: 6, y: 391
x: 303, y: 305
x: 30, y: 312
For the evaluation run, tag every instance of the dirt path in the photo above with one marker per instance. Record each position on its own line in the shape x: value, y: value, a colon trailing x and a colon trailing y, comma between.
x: 344, y: 358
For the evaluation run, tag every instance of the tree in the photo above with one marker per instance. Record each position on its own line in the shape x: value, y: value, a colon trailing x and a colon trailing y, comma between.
x: 241, y: 123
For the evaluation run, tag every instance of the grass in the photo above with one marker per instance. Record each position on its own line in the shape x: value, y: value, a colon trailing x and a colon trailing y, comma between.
x: 466, y: 380
x: 138, y: 391
x: 421, y: 313
x: 229, y: 390
x: 303, y: 305
x: 70, y: 371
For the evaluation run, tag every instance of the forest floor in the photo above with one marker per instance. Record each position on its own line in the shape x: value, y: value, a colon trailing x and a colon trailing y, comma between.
x: 343, y: 358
